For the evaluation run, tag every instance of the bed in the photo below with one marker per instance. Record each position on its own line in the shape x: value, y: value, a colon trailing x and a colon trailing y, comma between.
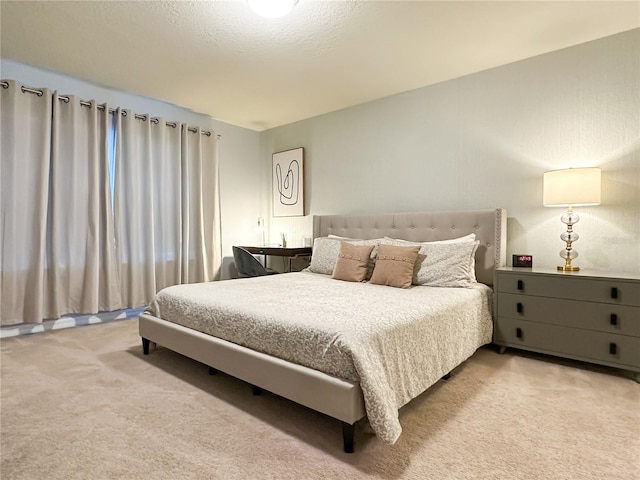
x: 358, y: 364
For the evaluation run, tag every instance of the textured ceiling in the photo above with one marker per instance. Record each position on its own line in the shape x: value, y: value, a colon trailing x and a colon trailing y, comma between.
x: 218, y: 58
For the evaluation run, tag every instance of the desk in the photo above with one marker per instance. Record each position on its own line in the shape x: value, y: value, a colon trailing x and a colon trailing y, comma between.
x: 288, y: 252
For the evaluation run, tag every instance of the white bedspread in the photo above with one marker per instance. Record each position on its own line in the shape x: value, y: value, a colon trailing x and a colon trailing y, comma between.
x: 395, y: 342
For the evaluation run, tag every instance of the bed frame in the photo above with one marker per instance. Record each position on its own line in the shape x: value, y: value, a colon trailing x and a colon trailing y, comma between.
x: 330, y: 395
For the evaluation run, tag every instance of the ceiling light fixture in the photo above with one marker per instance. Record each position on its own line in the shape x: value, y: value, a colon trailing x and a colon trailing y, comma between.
x: 272, y: 8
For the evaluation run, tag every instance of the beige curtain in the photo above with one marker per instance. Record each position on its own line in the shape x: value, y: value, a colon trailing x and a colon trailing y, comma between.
x: 24, y: 187
x: 66, y: 245
x: 147, y: 207
x: 58, y: 251
x: 166, y: 206
x: 81, y: 276
x: 200, y: 227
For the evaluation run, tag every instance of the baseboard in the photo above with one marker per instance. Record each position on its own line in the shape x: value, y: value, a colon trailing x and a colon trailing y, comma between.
x: 68, y: 322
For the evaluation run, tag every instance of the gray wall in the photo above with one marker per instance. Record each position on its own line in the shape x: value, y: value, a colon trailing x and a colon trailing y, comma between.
x: 484, y: 141
x: 480, y: 141
x: 240, y: 177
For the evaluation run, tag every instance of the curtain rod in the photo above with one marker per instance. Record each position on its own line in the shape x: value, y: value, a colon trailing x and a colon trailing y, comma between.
x: 84, y: 103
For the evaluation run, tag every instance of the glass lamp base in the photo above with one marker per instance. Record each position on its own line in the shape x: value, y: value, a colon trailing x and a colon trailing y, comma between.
x: 570, y: 218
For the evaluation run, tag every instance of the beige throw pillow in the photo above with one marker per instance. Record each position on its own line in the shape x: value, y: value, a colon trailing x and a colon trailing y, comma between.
x: 352, y: 262
x: 394, y: 265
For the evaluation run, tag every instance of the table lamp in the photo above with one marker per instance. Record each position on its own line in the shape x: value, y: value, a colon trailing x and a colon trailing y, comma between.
x: 568, y: 188
x: 260, y: 229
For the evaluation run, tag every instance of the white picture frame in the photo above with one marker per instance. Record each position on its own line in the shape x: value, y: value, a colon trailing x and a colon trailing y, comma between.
x: 288, y: 183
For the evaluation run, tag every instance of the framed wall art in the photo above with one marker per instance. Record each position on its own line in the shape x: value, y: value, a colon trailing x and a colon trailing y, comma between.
x: 288, y: 183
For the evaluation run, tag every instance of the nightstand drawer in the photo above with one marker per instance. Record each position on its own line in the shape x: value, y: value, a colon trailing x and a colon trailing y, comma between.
x: 602, y: 317
x: 609, y: 349
x: 573, y: 288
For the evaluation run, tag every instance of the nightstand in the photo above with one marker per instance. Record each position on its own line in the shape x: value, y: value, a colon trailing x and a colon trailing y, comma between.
x: 588, y: 316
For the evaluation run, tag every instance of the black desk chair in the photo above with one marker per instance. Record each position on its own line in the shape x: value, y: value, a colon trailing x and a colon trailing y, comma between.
x: 248, y: 265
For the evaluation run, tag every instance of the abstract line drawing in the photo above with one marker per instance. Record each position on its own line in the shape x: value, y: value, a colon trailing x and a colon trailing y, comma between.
x: 288, y: 183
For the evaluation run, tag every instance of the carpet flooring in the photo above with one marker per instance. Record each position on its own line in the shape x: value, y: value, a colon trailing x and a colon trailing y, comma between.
x: 84, y: 403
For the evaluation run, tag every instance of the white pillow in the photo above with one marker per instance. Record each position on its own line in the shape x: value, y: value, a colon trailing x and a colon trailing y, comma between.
x: 467, y: 238
x: 443, y: 263
x: 325, y: 254
x: 448, y: 264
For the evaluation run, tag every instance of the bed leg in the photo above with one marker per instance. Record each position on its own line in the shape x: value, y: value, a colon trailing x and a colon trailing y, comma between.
x: 212, y: 371
x: 256, y: 390
x: 447, y: 376
x: 502, y: 349
x: 145, y: 346
x: 348, y: 432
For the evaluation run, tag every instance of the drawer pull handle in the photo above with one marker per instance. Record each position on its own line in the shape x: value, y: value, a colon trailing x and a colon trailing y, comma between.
x: 519, y: 308
x: 613, y: 348
x: 614, y: 319
x: 519, y: 333
x: 614, y: 292
x: 520, y: 285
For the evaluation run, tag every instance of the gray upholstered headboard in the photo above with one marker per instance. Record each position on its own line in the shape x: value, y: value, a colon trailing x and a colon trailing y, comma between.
x: 490, y: 227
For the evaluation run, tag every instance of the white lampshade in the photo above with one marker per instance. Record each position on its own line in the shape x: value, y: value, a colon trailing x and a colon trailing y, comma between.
x: 573, y: 186
x: 272, y: 8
